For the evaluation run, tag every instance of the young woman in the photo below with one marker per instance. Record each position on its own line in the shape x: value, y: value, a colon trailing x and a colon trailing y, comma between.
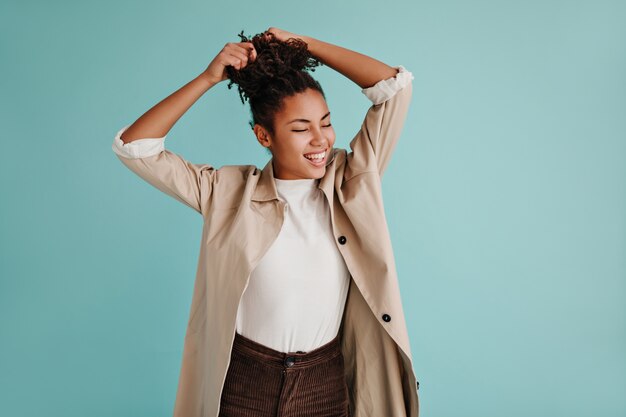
x: 296, y: 309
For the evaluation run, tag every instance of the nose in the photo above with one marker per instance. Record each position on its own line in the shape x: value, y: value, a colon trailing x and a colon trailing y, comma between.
x: 319, y: 139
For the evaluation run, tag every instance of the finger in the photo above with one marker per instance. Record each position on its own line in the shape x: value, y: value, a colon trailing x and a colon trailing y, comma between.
x: 250, y: 51
x: 228, y: 59
x: 233, y: 62
x: 238, y: 50
x: 242, y: 55
x: 247, y: 48
x: 237, y: 60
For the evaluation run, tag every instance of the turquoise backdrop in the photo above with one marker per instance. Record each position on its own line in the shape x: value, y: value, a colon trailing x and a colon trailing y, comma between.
x: 510, y: 243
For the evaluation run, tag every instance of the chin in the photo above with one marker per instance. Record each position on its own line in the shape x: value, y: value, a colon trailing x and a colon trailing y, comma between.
x: 321, y: 174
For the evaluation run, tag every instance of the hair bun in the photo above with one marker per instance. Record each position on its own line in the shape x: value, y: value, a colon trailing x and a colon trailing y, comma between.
x: 276, y: 63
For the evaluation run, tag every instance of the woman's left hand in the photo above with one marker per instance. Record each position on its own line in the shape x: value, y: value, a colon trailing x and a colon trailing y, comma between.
x: 283, y: 35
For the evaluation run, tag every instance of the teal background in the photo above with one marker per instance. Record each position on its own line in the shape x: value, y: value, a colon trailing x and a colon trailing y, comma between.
x: 505, y: 198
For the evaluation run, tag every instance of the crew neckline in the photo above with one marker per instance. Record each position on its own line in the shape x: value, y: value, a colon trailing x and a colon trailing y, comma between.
x: 304, y: 183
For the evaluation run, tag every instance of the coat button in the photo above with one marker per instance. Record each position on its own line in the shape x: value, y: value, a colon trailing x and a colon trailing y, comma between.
x: 290, y: 360
x: 386, y: 317
x: 342, y: 240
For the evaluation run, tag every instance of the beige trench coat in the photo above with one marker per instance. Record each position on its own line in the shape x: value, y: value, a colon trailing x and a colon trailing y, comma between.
x: 243, y: 215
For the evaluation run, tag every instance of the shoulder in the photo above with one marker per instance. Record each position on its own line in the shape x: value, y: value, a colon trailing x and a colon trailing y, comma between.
x: 232, y: 176
x: 238, y: 170
x: 230, y: 185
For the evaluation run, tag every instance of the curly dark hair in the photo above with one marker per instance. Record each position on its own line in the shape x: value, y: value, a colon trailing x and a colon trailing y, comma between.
x: 279, y: 71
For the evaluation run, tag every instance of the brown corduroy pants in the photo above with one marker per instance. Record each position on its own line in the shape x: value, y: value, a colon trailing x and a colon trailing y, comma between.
x: 263, y: 382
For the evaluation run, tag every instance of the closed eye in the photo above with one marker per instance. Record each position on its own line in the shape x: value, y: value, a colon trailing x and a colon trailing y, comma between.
x: 304, y: 130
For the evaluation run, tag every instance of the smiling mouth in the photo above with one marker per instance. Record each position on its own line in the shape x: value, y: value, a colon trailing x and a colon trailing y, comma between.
x: 319, y: 158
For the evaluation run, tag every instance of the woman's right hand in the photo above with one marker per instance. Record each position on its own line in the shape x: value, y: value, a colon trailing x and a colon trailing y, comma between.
x: 236, y: 54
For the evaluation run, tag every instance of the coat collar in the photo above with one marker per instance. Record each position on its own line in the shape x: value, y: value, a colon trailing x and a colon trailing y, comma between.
x: 266, y: 187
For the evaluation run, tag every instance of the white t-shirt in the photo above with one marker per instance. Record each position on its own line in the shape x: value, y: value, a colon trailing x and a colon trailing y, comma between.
x: 296, y: 295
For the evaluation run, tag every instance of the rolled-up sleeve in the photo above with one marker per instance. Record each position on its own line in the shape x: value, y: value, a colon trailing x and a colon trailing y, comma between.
x: 377, y: 138
x: 385, y: 89
x: 189, y: 183
x: 139, y: 148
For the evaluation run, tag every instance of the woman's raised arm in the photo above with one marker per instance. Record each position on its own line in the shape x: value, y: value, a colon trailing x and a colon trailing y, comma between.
x: 158, y: 121
x: 140, y: 146
x: 389, y: 89
x: 362, y: 69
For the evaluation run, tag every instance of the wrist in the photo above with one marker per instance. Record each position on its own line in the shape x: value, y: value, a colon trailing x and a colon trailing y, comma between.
x: 312, y: 45
x: 207, y: 80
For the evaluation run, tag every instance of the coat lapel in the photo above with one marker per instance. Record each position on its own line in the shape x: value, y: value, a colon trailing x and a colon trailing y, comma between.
x: 266, y: 188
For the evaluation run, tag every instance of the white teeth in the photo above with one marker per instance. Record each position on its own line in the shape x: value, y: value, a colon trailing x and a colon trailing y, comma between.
x: 317, y: 157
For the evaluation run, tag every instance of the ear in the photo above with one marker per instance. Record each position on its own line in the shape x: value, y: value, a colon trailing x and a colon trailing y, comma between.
x: 262, y: 135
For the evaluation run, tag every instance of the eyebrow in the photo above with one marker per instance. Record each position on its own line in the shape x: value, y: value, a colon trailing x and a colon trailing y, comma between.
x: 306, y: 120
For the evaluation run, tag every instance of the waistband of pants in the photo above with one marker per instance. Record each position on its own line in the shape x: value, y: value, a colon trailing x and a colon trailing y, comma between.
x: 276, y: 358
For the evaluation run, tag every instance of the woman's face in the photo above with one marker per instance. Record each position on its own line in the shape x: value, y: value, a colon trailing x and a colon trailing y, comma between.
x: 302, y: 127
